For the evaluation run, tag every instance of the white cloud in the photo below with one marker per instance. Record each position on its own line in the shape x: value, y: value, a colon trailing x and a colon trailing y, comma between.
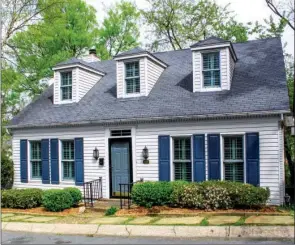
x: 246, y: 11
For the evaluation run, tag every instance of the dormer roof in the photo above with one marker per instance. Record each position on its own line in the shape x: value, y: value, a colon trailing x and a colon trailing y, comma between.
x: 214, y: 43
x: 209, y: 41
x: 137, y: 53
x: 75, y: 62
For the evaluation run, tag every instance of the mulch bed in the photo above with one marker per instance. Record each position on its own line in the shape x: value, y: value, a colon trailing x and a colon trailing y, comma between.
x: 41, y: 211
x: 164, y: 210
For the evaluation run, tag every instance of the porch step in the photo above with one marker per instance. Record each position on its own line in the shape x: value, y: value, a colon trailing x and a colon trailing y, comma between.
x: 103, y: 204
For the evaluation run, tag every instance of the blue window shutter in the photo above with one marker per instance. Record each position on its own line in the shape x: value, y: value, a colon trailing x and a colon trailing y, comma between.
x: 214, y: 156
x: 79, y: 161
x: 252, y: 158
x: 54, y: 156
x: 164, y: 157
x: 45, y: 161
x: 24, y: 161
x: 199, y: 157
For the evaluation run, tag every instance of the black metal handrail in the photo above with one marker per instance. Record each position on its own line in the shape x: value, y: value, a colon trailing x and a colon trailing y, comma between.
x: 92, y: 191
x: 125, y: 194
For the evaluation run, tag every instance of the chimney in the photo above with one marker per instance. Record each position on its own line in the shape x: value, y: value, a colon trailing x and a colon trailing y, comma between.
x: 91, y: 57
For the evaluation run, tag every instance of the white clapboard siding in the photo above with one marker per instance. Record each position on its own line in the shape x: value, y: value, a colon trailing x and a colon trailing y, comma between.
x: 154, y: 71
x: 270, y: 160
x: 86, y: 80
x: 270, y: 136
x: 93, y: 137
x: 225, y: 76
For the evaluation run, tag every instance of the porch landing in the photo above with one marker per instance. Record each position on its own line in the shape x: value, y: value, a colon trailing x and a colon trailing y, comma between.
x: 103, y: 204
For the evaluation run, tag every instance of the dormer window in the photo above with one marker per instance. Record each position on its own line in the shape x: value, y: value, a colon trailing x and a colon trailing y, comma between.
x: 66, y: 85
x: 211, y: 70
x: 132, y: 77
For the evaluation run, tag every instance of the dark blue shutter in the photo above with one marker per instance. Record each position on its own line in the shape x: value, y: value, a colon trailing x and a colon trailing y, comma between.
x: 45, y: 161
x: 79, y: 162
x: 164, y: 157
x: 252, y: 158
x: 214, y: 156
x: 54, y: 161
x: 199, y: 157
x: 24, y: 161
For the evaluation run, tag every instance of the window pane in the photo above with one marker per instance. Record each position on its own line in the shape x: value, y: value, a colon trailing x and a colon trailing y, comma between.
x: 132, y: 69
x: 36, y: 150
x: 68, y: 170
x: 68, y: 150
x: 233, y: 148
x: 211, y: 61
x: 182, y: 149
x: 211, y: 78
x: 234, y: 171
x: 36, y: 169
x: 66, y: 93
x: 66, y: 78
x: 132, y: 85
x: 183, y: 171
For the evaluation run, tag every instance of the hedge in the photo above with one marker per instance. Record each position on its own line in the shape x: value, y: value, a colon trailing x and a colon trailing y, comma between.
x: 21, y: 198
x: 75, y: 194
x: 205, y: 195
x: 57, y: 200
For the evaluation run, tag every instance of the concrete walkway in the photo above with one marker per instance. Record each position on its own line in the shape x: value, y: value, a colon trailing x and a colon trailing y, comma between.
x: 154, y: 231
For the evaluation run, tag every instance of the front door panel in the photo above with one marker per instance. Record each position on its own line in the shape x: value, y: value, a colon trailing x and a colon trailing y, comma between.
x: 120, y: 165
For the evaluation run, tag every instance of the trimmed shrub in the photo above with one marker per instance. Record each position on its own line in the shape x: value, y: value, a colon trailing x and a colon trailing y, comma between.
x: 191, y: 196
x: 150, y: 194
x: 177, y: 191
x: 21, y: 198
x: 57, y: 200
x: 76, y: 195
x: 6, y: 170
x: 206, y: 195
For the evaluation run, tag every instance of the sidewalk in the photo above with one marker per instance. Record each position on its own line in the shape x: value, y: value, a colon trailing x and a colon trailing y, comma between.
x: 154, y: 231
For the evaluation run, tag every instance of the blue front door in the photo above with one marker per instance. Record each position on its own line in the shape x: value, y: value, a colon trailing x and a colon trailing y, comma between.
x: 120, y: 165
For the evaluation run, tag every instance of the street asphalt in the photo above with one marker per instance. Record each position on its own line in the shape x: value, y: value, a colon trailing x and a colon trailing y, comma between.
x: 34, y: 238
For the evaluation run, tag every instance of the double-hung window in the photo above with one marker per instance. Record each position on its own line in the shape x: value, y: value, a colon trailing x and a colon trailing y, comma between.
x: 132, y: 79
x: 66, y: 85
x: 68, y: 160
x: 234, y: 158
x: 35, y: 158
x: 211, y: 70
x: 182, y: 158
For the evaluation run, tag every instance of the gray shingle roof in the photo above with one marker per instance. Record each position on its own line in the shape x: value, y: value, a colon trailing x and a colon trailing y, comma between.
x: 259, y: 84
x: 209, y: 41
x: 136, y: 50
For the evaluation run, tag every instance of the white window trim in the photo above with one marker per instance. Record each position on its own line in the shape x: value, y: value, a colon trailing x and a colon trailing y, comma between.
x: 61, y: 101
x: 172, y: 137
x: 30, y: 178
x: 61, y: 179
x: 210, y: 89
x: 131, y: 95
x: 243, y: 134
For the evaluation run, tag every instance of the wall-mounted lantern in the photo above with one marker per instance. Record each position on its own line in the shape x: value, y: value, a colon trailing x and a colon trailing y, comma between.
x: 287, y: 200
x: 145, y: 154
x: 95, y: 153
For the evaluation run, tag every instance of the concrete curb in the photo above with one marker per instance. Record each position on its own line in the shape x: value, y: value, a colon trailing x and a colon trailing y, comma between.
x: 155, y: 231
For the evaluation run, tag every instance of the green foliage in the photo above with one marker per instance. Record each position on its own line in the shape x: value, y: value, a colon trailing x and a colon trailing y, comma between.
x: 208, y: 195
x: 150, y: 194
x: 111, y: 211
x: 6, y: 171
x: 119, y: 31
x: 75, y: 193
x: 57, y: 200
x: 67, y: 28
x: 21, y: 198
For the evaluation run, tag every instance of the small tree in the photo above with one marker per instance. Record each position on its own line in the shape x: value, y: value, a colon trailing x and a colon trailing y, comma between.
x: 6, y: 171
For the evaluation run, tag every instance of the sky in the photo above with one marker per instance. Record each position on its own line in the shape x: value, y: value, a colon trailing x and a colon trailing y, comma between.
x: 246, y: 11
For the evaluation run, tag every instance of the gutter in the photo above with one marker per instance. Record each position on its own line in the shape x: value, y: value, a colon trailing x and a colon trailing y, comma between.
x: 156, y: 119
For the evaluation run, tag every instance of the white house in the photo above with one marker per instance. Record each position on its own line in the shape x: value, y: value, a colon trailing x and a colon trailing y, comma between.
x: 213, y: 111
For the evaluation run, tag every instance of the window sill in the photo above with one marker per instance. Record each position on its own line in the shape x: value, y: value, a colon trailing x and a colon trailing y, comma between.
x: 210, y: 89
x: 66, y: 101
x: 132, y: 95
